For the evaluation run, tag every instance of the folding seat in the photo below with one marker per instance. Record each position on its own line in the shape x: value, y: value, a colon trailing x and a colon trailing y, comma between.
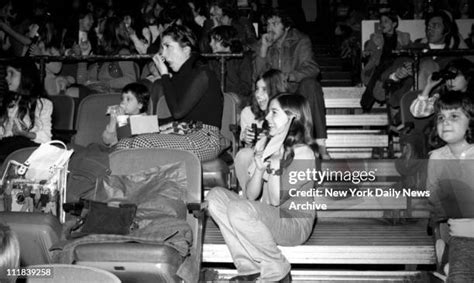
x: 64, y: 108
x: 72, y: 274
x: 91, y: 118
x: 136, y: 262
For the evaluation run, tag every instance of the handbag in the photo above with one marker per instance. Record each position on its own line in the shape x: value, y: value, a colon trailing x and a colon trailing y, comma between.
x: 44, y: 162
x: 103, y: 218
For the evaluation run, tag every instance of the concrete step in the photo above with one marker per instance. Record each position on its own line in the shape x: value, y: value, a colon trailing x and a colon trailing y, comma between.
x: 341, y: 276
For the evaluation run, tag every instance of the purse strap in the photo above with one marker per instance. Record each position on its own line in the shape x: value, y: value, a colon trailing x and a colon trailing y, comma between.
x: 57, y: 142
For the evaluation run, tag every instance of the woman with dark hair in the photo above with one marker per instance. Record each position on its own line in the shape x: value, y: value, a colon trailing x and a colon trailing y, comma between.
x: 192, y: 94
x: 238, y: 71
x: 267, y: 86
x: 271, y: 210
x: 112, y: 76
x: 25, y: 115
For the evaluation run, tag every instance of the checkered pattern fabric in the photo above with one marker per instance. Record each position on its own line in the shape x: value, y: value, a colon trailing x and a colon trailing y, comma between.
x: 204, y: 143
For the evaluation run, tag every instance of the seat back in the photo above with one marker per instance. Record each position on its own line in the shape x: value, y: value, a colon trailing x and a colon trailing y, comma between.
x: 73, y: 274
x: 229, y: 117
x: 36, y: 233
x: 91, y: 119
x: 419, y: 124
x: 132, y: 160
x: 162, y: 109
x: 63, y: 112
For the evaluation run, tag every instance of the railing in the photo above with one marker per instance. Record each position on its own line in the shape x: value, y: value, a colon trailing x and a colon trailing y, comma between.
x: 43, y: 59
x: 418, y: 53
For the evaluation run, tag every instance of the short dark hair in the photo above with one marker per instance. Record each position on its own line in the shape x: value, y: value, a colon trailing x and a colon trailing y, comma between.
x: 391, y: 15
x: 181, y: 34
x: 141, y: 93
x: 285, y: 18
x: 454, y: 100
x: 229, y: 8
x: 228, y: 37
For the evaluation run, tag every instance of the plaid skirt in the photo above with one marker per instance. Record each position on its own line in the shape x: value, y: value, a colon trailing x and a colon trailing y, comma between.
x: 204, y: 142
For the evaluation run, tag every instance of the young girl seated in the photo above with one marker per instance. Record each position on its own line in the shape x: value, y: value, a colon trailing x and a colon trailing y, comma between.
x: 462, y: 72
x: 135, y: 99
x: 254, y: 224
x: 268, y: 85
x: 450, y: 183
x: 25, y: 115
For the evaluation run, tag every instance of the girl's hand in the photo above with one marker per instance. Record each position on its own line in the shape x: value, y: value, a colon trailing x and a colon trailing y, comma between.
x: 430, y: 84
x: 259, y: 163
x: 160, y: 64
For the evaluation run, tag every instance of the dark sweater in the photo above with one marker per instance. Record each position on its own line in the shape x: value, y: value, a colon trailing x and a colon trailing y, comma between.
x: 193, y: 93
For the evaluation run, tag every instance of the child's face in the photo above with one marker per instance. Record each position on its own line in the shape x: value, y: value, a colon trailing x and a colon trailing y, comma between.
x: 452, y: 125
x: 261, y: 95
x: 459, y: 83
x: 130, y: 104
x: 13, y: 78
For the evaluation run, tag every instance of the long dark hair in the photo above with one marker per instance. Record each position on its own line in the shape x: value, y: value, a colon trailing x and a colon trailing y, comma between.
x: 113, y: 40
x: 300, y: 131
x: 275, y: 83
x: 27, y: 95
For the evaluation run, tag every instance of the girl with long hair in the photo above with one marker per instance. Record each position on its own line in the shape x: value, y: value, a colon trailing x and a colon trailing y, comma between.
x: 271, y: 210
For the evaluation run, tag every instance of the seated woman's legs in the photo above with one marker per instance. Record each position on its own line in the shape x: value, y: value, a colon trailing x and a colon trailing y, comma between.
x: 204, y: 143
x: 254, y: 231
x: 242, y: 161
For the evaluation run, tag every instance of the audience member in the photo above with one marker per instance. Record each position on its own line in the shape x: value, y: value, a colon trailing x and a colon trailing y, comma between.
x: 441, y: 33
x: 238, y: 71
x: 377, y: 53
x: 253, y: 125
x: 458, y: 75
x: 190, y: 93
x: 284, y: 47
x: 223, y: 12
x: 267, y: 86
x: 254, y: 224
x: 105, y: 77
x: 135, y: 100
x: 25, y: 114
x: 451, y: 184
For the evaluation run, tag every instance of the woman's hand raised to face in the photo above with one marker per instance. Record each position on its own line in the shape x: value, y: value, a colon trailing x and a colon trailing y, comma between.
x: 160, y: 64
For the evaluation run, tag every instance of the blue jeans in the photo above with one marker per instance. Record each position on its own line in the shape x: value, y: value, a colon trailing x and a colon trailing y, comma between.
x: 253, y: 230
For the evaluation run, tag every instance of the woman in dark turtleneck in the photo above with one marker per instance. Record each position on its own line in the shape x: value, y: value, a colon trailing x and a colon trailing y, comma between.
x: 192, y: 93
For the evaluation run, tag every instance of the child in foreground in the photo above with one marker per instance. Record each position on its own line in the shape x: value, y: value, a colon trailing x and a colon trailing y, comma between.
x: 135, y: 99
x: 450, y: 182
